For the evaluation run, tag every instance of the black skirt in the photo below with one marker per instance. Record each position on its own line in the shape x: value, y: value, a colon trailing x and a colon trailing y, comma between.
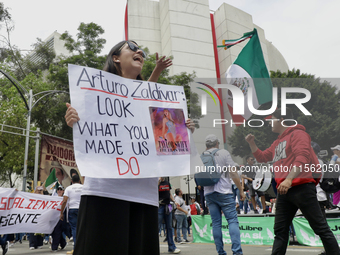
x: 112, y: 226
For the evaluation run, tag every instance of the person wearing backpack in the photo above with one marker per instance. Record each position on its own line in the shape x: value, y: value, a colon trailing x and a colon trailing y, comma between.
x: 293, y: 161
x: 220, y: 196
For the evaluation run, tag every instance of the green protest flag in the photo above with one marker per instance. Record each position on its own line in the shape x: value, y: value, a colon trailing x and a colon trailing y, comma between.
x: 51, y: 182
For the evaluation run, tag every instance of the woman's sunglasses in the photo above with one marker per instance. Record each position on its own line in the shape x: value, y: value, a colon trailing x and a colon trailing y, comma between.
x: 133, y: 47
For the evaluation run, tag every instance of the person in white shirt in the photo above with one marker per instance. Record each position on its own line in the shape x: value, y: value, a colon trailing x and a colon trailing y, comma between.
x: 181, y: 217
x: 220, y: 197
x: 72, y: 196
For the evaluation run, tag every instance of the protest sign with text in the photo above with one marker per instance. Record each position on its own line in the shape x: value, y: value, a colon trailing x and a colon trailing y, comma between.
x: 117, y: 137
x: 253, y: 230
x: 22, y: 212
x: 306, y: 236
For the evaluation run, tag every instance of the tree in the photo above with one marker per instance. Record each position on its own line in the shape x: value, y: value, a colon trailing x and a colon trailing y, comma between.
x: 48, y: 114
x: 13, y: 113
x: 11, y: 56
x: 8, y: 53
x: 40, y: 59
x: 322, y: 126
x: 88, y: 40
x: 12, y: 107
x: 85, y: 50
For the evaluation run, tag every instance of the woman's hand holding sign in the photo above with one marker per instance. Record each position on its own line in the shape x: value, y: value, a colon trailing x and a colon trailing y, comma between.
x: 190, y: 124
x: 71, y: 116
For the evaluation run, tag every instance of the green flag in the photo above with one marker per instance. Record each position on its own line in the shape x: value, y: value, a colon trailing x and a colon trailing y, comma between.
x: 51, y: 182
x: 249, y: 72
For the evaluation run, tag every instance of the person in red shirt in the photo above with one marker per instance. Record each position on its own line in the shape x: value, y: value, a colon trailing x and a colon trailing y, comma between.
x: 195, y: 208
x: 292, y: 157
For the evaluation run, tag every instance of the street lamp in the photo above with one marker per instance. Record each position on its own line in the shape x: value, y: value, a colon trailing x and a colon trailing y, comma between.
x: 187, y: 181
x: 29, y: 94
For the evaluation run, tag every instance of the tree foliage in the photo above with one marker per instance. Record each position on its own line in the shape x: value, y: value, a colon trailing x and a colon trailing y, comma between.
x: 11, y: 105
x: 88, y: 40
x: 322, y: 126
x: 84, y: 50
x: 41, y: 59
x: 13, y: 113
x: 9, y: 53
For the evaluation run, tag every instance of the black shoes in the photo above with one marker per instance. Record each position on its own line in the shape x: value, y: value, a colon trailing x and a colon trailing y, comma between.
x: 185, y: 241
x: 5, y: 248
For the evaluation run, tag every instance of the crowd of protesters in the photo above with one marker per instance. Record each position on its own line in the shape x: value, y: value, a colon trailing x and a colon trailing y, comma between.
x: 233, y: 193
x: 63, y: 232
x: 296, y: 191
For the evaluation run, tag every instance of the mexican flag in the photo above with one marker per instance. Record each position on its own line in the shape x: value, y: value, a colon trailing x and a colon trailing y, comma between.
x: 229, y: 43
x: 249, y: 72
x: 51, y: 182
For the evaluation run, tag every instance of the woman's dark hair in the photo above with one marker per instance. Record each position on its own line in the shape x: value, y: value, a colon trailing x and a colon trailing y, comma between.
x: 289, y: 115
x: 111, y: 66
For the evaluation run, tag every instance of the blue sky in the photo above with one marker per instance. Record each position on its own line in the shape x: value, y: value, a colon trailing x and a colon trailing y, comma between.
x: 304, y: 31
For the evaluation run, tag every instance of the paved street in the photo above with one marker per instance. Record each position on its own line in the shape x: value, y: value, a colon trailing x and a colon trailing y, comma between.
x: 209, y: 249
x: 23, y: 248
x: 186, y: 249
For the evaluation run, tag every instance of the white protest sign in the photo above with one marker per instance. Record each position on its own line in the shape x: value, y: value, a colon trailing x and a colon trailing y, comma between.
x: 22, y: 212
x: 128, y: 128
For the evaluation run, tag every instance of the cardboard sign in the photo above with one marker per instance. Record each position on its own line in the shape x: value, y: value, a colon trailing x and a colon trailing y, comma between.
x: 128, y: 128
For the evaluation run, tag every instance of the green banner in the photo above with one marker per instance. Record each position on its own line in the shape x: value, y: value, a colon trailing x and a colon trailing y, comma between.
x: 305, y: 235
x: 253, y: 230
